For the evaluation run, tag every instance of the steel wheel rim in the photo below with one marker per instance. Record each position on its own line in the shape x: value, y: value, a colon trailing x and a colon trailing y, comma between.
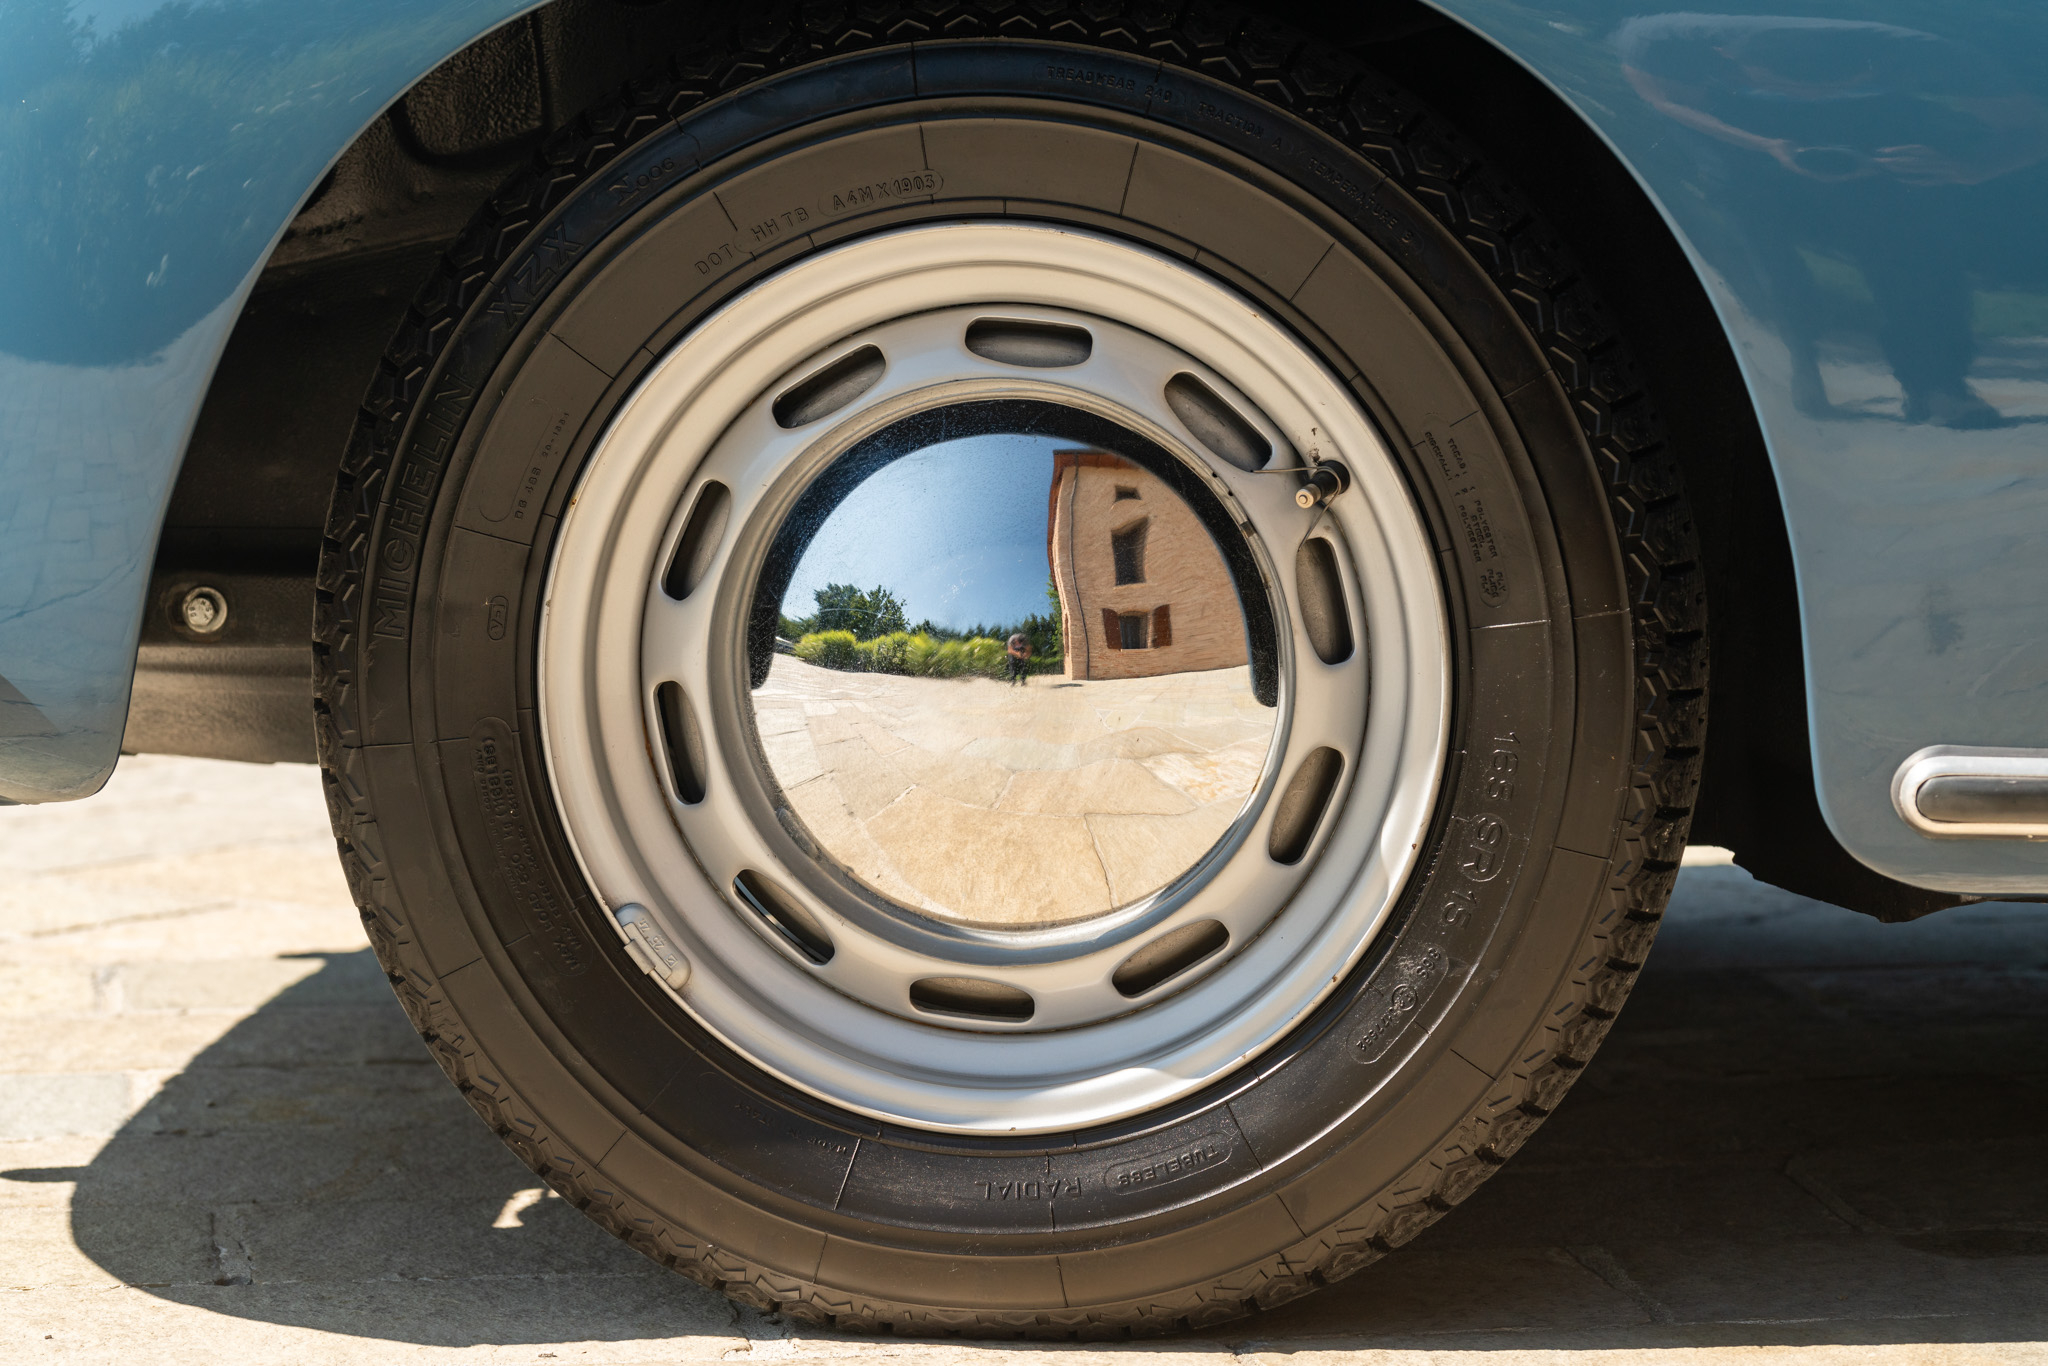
x: 610, y: 635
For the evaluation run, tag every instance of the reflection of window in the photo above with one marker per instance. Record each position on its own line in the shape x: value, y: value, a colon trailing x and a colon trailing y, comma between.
x: 1127, y: 547
x: 1133, y: 630
x: 1124, y: 491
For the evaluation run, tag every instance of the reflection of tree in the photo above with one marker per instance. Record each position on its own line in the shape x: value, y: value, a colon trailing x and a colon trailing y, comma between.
x: 1825, y: 98
x: 1048, y: 641
x: 876, y: 636
x: 867, y: 613
x: 1864, y: 142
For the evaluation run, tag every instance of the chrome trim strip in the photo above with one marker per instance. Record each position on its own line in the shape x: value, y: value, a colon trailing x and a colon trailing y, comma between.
x: 1947, y: 775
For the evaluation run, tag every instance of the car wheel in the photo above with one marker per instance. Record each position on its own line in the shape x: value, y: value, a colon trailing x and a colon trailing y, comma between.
x: 1208, y: 1002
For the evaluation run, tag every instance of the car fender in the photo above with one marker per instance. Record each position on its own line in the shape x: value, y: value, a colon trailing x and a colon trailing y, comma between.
x: 1922, y: 569
x: 149, y: 162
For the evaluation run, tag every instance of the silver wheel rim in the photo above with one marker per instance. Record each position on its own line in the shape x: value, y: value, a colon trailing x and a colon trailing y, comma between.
x: 666, y: 867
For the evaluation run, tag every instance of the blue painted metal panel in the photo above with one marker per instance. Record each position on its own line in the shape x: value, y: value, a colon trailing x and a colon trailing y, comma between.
x: 151, y: 152
x: 1863, y: 187
x: 1858, y: 185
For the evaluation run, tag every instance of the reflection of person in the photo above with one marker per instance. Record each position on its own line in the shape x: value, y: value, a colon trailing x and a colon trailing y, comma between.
x: 1870, y: 143
x: 1019, y: 650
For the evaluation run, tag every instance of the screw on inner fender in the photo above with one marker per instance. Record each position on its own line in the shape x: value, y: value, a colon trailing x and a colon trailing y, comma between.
x: 1325, y: 482
x: 204, y: 611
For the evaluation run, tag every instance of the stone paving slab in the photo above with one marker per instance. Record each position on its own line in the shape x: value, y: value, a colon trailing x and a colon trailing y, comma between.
x: 1812, y: 1139
x: 980, y: 801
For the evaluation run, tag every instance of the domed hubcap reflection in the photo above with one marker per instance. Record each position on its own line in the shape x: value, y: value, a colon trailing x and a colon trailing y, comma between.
x: 948, y: 697
x: 1038, y: 710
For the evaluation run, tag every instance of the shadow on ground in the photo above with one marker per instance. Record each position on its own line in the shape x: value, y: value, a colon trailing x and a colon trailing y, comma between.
x: 1807, y: 1127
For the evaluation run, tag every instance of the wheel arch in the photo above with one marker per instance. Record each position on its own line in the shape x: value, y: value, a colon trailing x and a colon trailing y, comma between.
x: 1758, y: 789
x: 167, y: 151
x: 1758, y: 793
x: 248, y: 489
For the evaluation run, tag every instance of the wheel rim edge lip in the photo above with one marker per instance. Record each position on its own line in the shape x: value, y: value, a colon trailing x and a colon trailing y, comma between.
x: 1393, y: 847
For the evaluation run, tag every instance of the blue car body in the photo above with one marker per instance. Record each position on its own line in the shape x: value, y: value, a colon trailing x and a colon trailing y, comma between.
x: 1857, y: 188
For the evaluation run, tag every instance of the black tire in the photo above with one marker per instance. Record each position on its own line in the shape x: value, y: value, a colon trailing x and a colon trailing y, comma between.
x: 1579, y: 662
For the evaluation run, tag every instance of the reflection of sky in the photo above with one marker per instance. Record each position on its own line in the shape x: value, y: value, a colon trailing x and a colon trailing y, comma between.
x: 956, y: 530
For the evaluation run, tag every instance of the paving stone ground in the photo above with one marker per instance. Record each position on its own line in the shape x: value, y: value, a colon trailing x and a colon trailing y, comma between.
x: 1812, y: 1138
x: 998, y: 804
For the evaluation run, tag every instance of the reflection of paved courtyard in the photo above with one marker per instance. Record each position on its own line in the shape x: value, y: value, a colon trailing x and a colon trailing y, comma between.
x: 979, y: 801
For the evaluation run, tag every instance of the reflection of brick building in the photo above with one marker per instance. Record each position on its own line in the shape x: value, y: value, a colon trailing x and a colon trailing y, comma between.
x: 1143, y: 589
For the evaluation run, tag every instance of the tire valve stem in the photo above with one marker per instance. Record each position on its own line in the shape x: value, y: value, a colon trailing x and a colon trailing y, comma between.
x: 1326, y: 480
x: 651, y: 949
